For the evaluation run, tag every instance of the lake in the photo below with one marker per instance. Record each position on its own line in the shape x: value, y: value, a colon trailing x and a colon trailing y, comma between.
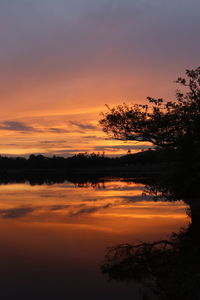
x: 53, y: 238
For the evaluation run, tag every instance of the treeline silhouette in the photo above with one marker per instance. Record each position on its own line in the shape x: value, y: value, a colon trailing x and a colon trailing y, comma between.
x: 82, y: 160
x: 80, y: 168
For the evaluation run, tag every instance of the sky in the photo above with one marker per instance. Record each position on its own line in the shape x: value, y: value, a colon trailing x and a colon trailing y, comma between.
x: 62, y: 61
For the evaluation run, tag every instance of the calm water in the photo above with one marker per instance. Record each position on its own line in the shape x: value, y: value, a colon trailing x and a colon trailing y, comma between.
x: 53, y: 237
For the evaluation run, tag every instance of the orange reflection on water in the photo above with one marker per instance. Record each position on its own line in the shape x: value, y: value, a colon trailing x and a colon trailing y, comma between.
x: 115, y: 206
x: 53, y: 237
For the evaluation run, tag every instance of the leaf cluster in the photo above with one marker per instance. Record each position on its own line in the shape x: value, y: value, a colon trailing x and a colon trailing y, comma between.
x: 165, y: 124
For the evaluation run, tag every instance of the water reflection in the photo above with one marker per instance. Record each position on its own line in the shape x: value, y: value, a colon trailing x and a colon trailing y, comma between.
x: 169, y: 267
x: 53, y: 237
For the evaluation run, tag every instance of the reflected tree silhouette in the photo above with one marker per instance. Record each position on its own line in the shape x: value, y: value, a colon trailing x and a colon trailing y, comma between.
x: 169, y: 268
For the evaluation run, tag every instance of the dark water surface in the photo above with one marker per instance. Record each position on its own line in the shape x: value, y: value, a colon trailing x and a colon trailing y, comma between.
x: 53, y: 237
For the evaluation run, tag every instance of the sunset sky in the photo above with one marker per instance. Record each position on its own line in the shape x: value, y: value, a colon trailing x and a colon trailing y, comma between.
x: 62, y: 61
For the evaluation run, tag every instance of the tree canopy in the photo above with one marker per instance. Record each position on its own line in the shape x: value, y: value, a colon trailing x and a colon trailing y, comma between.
x: 166, y: 124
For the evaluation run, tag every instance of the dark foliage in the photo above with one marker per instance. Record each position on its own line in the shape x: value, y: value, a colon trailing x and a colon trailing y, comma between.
x: 169, y: 268
x: 171, y: 125
x: 81, y: 160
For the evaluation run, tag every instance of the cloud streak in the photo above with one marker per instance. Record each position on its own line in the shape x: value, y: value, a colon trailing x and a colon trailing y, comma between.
x: 17, y: 126
x: 89, y: 210
x: 15, y: 213
x: 122, y: 147
x: 84, y: 126
x: 58, y: 130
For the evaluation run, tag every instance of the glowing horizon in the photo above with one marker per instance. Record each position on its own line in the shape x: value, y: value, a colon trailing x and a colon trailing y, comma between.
x: 62, y: 61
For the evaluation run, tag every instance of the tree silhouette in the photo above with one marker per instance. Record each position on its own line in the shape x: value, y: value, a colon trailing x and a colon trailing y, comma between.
x: 169, y: 268
x: 166, y: 124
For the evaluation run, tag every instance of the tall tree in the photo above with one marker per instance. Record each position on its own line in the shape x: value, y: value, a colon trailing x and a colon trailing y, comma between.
x: 166, y: 124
